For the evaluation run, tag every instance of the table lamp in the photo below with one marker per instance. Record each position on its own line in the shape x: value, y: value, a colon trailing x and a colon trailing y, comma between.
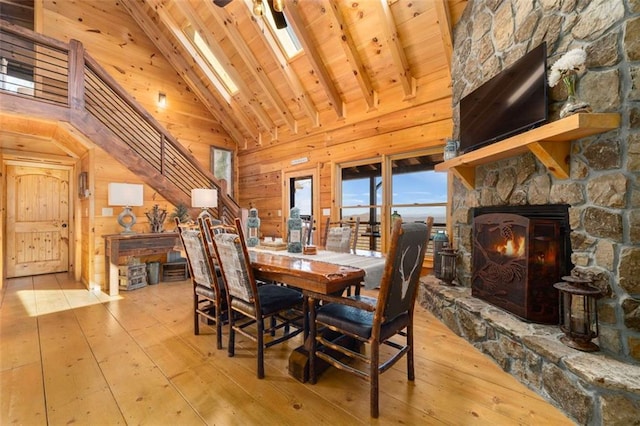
x: 126, y: 195
x: 204, y: 198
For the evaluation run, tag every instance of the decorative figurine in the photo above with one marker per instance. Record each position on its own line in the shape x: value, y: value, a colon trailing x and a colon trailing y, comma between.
x: 253, y: 228
x: 294, y: 231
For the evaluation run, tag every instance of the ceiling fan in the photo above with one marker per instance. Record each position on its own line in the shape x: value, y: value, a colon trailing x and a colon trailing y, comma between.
x: 276, y: 7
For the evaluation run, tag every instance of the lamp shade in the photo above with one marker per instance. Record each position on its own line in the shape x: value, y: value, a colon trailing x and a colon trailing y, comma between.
x: 125, y: 194
x: 204, y: 197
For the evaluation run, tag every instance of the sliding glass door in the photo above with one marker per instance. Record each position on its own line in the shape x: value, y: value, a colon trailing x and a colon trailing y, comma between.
x: 377, y: 190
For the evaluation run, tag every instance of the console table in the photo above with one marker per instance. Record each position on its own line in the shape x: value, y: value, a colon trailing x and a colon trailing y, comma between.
x: 118, y: 245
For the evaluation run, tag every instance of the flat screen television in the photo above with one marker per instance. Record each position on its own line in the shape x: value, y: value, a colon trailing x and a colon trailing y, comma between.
x: 513, y: 101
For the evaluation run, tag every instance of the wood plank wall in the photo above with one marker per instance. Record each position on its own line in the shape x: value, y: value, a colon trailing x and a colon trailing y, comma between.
x: 421, y: 127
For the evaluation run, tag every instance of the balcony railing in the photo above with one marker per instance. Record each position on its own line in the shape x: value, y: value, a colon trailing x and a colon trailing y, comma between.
x: 38, y: 67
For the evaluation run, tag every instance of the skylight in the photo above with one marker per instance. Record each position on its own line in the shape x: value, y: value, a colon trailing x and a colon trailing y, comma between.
x: 287, y: 39
x: 211, y: 59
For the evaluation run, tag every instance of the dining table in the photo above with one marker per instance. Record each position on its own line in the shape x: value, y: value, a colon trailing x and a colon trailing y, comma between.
x: 371, y: 262
x: 312, y: 276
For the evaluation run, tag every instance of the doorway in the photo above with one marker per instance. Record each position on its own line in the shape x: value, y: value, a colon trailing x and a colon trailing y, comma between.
x: 38, y: 218
x: 301, y: 188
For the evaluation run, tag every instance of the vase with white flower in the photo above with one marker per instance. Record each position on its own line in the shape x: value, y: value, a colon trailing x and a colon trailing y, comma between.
x: 566, y: 70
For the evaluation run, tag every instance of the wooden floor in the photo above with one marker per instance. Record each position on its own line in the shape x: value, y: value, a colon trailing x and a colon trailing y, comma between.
x: 70, y: 356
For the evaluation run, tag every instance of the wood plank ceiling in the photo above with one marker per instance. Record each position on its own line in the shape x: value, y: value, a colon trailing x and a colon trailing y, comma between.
x: 357, y: 56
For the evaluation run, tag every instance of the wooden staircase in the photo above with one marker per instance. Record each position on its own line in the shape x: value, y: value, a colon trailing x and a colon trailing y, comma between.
x: 71, y: 88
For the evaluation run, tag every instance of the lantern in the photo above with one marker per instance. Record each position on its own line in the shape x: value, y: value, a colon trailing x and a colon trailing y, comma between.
x: 395, y: 216
x: 253, y: 228
x: 294, y: 231
x: 440, y: 241
x: 578, y: 313
x: 448, y: 267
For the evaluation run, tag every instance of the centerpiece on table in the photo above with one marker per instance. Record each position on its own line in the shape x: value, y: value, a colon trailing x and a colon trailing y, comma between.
x: 566, y: 70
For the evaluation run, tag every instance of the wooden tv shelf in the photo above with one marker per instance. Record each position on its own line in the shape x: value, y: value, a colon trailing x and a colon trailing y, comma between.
x: 550, y: 143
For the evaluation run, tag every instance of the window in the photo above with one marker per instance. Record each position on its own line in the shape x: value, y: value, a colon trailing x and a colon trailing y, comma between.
x: 286, y: 37
x: 205, y: 51
x: 222, y: 166
x: 361, y: 196
x: 279, y: 30
x: 403, y: 184
x: 417, y: 190
x: 301, y: 193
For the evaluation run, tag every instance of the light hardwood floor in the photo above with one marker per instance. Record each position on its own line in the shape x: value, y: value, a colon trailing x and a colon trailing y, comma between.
x: 70, y: 356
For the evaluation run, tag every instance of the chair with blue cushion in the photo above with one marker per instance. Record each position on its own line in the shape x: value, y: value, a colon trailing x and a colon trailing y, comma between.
x: 209, y: 297
x: 386, y: 320
x: 253, y: 305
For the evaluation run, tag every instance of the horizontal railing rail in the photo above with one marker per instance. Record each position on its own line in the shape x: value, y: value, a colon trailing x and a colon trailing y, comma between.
x: 50, y: 71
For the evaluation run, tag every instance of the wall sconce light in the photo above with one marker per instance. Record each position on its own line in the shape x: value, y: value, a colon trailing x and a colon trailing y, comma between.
x: 126, y: 195
x: 204, y: 198
x: 83, y: 185
x: 162, y: 99
x: 578, y: 313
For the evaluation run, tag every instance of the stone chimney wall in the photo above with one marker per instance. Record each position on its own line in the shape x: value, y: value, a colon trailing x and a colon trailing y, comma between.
x: 603, y: 190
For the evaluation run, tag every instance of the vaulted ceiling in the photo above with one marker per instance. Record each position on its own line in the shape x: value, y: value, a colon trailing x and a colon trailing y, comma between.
x: 358, y: 57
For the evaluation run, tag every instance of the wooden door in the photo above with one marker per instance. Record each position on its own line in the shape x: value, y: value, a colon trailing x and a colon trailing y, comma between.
x: 37, y: 220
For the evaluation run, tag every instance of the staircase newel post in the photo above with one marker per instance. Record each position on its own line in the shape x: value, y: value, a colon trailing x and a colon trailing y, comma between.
x: 76, y: 75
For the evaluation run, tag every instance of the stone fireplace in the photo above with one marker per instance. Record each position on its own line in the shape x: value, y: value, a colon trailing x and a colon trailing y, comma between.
x: 602, y: 195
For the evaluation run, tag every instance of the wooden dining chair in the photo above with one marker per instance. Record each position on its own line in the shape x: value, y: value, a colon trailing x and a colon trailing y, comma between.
x: 373, y: 321
x: 307, y: 231
x: 341, y: 236
x: 254, y: 304
x: 209, y: 296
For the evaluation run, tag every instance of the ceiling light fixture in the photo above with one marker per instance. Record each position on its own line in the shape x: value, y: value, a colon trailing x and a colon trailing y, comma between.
x: 278, y: 5
x: 258, y: 9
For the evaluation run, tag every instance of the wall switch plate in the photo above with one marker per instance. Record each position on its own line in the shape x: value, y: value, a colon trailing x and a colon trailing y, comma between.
x: 107, y: 211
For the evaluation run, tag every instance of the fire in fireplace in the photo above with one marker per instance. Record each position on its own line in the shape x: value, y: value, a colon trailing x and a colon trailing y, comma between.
x: 517, y: 260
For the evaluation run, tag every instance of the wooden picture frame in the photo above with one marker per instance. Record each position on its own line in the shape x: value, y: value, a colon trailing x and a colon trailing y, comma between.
x: 222, y: 166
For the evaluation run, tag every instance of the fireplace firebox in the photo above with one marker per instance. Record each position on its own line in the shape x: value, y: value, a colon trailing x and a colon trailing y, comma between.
x: 517, y: 260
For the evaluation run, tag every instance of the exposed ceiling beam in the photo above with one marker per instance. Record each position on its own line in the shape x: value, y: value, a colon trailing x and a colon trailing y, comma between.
x: 302, y: 97
x: 295, y: 20
x: 222, y: 112
x: 229, y: 68
x: 444, y: 22
x: 400, y: 61
x: 256, y: 69
x: 351, y: 52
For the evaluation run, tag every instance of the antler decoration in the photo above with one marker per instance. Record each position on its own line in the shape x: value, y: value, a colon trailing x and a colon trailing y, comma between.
x: 405, y: 281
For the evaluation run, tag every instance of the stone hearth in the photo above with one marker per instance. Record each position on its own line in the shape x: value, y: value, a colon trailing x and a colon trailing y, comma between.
x: 591, y: 388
